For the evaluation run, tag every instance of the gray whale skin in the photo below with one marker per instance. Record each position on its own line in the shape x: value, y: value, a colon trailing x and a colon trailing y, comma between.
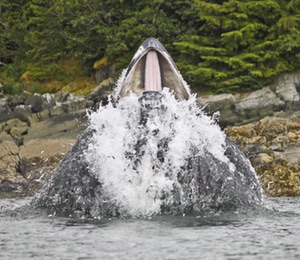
x: 75, y: 191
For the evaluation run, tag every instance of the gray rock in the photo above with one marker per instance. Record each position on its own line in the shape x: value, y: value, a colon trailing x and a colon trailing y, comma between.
x: 222, y: 103
x: 61, y: 96
x: 217, y: 102
x: 5, y: 110
x: 36, y: 101
x: 22, y: 112
x: 292, y: 154
x: 17, y: 124
x: 263, y: 98
x: 285, y: 87
x: 16, y: 101
x: 49, y: 101
x: 257, y: 105
x: 74, y: 103
x: 56, y: 111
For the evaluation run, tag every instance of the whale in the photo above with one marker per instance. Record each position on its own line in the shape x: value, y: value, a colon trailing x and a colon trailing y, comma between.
x: 151, y: 151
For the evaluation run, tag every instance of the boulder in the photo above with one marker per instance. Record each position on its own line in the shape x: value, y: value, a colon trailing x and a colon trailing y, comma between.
x: 61, y: 96
x: 22, y: 112
x: 16, y: 129
x: 285, y: 87
x: 36, y: 102
x: 5, y: 110
x: 57, y: 110
x: 292, y: 154
x: 258, y: 104
x: 49, y: 101
x: 223, y: 103
x: 16, y: 101
x: 74, y: 103
x: 15, y: 122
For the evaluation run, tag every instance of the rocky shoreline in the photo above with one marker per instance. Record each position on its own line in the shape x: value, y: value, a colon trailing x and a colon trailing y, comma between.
x: 273, y: 147
x: 25, y: 167
x: 265, y: 124
x: 37, y: 130
x: 281, y: 99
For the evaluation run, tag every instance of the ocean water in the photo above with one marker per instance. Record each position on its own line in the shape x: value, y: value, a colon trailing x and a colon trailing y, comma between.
x: 135, y: 175
x: 271, y: 233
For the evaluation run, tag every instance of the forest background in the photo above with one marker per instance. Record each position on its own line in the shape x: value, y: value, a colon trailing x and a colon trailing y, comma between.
x: 219, y: 46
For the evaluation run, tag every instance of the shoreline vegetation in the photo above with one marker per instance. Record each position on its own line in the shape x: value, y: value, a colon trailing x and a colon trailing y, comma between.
x: 219, y: 46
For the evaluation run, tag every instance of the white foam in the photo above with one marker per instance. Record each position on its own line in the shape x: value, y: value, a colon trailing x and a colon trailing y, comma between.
x: 136, y: 187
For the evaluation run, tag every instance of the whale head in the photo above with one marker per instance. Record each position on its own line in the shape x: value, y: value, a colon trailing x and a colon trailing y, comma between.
x: 150, y: 70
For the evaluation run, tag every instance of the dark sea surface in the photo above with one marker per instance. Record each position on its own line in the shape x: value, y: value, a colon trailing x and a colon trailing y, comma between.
x: 273, y: 233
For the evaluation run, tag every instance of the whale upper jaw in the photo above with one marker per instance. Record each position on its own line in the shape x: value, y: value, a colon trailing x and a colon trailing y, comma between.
x: 152, y: 69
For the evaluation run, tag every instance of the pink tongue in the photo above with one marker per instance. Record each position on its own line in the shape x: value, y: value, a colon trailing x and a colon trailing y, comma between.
x: 152, y: 72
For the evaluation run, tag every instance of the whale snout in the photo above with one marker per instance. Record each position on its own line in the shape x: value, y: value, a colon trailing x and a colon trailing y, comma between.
x: 153, y: 69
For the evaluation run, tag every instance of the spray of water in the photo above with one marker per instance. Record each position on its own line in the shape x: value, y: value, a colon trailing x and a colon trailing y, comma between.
x: 137, y: 161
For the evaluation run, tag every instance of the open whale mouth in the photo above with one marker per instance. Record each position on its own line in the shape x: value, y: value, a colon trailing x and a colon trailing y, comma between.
x: 153, y: 69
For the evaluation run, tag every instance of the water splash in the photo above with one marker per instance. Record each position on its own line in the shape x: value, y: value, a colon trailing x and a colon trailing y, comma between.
x: 150, y: 152
x: 142, y: 157
x: 138, y: 162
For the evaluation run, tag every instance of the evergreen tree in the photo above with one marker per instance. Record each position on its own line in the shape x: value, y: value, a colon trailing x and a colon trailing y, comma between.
x: 11, y: 30
x: 233, y: 49
x: 286, y: 32
x: 219, y: 46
